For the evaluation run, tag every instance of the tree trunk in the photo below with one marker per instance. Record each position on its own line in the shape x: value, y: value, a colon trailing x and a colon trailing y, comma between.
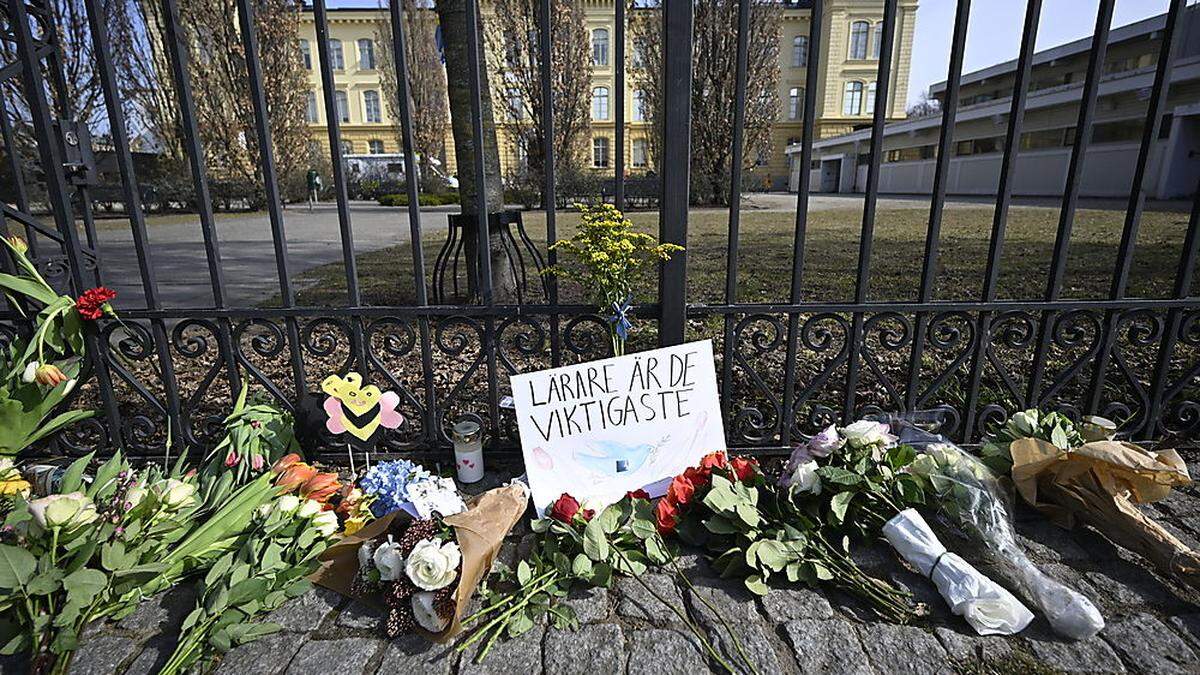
x: 452, y: 16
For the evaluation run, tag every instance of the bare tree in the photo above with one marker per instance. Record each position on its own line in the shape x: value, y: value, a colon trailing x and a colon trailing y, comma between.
x: 514, y: 38
x: 427, y: 84
x: 457, y: 37
x: 925, y: 107
x: 714, y: 49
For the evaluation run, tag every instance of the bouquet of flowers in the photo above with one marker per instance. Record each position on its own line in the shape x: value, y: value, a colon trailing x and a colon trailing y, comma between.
x: 1053, y: 427
x: 1081, y: 474
x: 758, y: 530
x: 867, y: 488
x: 424, y: 570
x: 969, y: 498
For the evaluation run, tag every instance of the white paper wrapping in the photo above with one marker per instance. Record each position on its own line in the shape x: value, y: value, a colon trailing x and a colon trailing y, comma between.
x: 987, y: 607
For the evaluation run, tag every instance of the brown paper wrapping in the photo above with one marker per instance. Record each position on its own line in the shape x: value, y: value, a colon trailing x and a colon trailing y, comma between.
x: 1099, y: 484
x: 480, y: 530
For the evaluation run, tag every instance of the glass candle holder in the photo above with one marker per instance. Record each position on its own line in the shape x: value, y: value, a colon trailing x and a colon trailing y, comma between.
x: 468, y: 450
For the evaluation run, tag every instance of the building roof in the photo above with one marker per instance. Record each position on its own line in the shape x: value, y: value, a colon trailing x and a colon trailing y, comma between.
x: 1133, y: 31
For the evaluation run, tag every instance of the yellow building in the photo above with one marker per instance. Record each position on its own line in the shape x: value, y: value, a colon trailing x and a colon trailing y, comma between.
x: 851, y: 32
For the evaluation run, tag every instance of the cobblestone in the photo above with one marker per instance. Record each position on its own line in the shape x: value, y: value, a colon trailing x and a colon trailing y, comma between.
x: 638, y: 603
x: 358, y: 615
x: 347, y: 656
x: 411, y: 654
x: 967, y: 647
x: 270, y: 654
x: 827, y: 647
x: 598, y: 648
x: 1085, y: 656
x: 904, y: 650
x: 105, y: 654
x: 590, y: 604
x: 665, y: 651
x: 789, y: 604
x: 306, y: 612
x: 522, y: 654
x: 1149, y: 646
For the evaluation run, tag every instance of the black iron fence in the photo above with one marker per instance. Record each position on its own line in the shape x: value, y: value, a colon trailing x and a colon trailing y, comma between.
x: 168, y: 374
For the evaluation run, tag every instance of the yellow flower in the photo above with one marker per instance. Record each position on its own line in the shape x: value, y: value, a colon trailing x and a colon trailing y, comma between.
x: 14, y: 486
x: 354, y: 524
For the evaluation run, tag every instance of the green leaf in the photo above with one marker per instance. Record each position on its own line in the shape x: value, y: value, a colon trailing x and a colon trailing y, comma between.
x: 772, y: 554
x: 248, y: 589
x: 84, y: 584
x: 601, y: 575
x: 1058, y: 436
x: 748, y: 514
x: 524, y: 572
x: 105, y: 475
x: 45, y: 583
x: 721, y: 497
x: 822, y: 572
x: 720, y: 525
x: 582, y: 566
x: 16, y: 566
x: 656, y: 552
x: 839, y: 504
x: 838, y: 476
x: 595, y: 544
x: 519, y: 623
x: 72, y: 479
x: 756, y: 584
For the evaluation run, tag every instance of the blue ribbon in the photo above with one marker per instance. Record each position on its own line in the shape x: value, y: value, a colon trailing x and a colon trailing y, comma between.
x: 620, y: 318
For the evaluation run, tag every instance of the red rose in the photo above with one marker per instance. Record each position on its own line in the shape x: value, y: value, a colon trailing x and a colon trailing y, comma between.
x: 565, y: 508
x: 699, y: 478
x: 714, y: 460
x: 666, y: 515
x: 638, y: 494
x: 680, y: 490
x: 743, y: 468
x: 91, y: 305
x: 587, y: 514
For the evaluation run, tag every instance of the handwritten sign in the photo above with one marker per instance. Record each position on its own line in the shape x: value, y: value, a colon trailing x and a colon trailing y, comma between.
x: 599, y: 429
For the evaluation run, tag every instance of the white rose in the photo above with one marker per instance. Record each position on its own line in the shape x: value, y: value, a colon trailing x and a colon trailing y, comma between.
x: 308, y: 508
x: 805, y: 479
x: 30, y: 372
x: 865, y: 432
x: 175, y: 494
x: 388, y: 560
x: 432, y: 564
x: 326, y: 523
x: 426, y: 616
x: 1026, y: 422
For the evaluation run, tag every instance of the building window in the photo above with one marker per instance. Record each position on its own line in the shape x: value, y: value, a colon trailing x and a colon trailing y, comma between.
x: 600, y: 103
x: 800, y: 51
x: 336, y: 60
x: 375, y: 146
x: 347, y: 148
x: 639, y: 105
x: 852, y: 100
x: 640, y: 154
x: 516, y: 103
x: 600, y: 47
x: 859, y: 31
x: 310, y: 110
x: 342, y: 104
x: 878, y: 41
x: 869, y: 109
x: 763, y: 158
x: 979, y: 146
x: 795, y: 102
x: 600, y: 152
x: 371, y: 108
x: 638, y: 58
x: 366, y: 54
x: 305, y: 54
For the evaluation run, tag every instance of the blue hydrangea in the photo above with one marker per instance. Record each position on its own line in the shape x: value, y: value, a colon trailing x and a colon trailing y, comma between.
x: 388, y: 482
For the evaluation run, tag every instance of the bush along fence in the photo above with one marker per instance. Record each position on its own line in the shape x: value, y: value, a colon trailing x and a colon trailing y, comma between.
x: 169, y: 375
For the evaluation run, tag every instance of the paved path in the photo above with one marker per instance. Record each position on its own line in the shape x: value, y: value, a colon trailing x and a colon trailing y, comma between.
x: 1152, y: 626
x: 247, y: 250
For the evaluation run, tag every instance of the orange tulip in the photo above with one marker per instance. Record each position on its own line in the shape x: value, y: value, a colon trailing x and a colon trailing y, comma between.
x: 18, y: 244
x: 285, y: 462
x: 49, y: 375
x: 295, y: 476
x: 320, y: 487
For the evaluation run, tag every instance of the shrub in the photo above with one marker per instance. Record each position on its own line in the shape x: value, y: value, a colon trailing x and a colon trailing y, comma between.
x: 426, y: 199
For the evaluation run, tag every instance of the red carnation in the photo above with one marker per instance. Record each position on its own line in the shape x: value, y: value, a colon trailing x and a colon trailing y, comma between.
x: 699, y: 478
x: 680, y: 490
x: 743, y: 468
x: 565, y: 508
x: 638, y: 494
x: 666, y: 515
x: 94, y: 302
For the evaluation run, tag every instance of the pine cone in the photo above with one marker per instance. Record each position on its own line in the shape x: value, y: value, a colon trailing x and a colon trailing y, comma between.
x: 399, y: 593
x: 443, y: 602
x: 400, y: 621
x: 418, y: 531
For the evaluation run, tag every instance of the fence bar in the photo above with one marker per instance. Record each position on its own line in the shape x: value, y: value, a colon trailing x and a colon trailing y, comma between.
x: 345, y: 229
x: 1137, y: 200
x: 271, y: 186
x: 1188, y: 259
x: 735, y: 199
x: 549, y: 196
x: 619, y: 102
x: 51, y: 158
x: 811, y: 76
x: 958, y: 41
x: 13, y: 155
x: 414, y: 213
x: 177, y: 48
x: 677, y: 149
x: 133, y: 204
x: 1083, y: 135
x: 868, y: 223
x: 474, y: 60
x: 1016, y: 116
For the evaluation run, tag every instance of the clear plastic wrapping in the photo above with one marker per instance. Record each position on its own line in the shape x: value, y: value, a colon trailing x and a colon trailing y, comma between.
x: 968, y: 497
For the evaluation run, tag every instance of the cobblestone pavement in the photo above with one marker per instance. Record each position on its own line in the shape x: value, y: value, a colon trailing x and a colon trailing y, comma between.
x: 1153, y: 626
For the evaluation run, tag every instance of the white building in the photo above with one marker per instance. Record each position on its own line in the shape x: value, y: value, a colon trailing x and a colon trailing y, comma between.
x: 1052, y: 108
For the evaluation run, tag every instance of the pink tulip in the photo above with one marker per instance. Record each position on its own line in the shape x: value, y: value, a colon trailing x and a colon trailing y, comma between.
x: 231, y: 459
x: 257, y: 462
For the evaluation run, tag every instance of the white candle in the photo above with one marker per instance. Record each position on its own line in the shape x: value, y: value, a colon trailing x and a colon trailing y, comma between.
x: 468, y: 451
